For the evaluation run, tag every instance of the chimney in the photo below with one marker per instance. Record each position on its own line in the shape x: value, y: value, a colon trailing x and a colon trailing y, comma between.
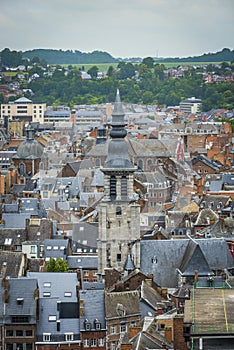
x: 195, y: 277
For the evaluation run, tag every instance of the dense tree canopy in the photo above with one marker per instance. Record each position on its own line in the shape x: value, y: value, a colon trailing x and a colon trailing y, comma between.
x: 148, y: 82
x: 56, y: 265
x: 137, y: 83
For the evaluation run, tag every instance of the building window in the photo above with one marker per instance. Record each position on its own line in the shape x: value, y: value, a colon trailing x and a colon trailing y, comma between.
x: 19, y: 333
x: 47, y: 284
x: 86, y: 343
x: 9, y: 346
x: 123, y: 327
x: 46, y: 294
x: 67, y: 294
x: 52, y: 318
x: 113, y: 187
x: 46, y: 336
x: 113, y: 328
x: 33, y: 249
x: 101, y: 342
x: 113, y: 345
x: 93, y: 342
x: 20, y: 301
x: 29, y: 346
x: 9, y: 333
x: 124, y: 187
x: 69, y: 336
x: 19, y: 319
x: 118, y: 257
x: 19, y: 346
x: 29, y: 333
x: 118, y: 211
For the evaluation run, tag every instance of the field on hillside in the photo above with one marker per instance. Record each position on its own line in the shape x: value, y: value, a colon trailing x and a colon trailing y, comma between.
x: 103, y: 67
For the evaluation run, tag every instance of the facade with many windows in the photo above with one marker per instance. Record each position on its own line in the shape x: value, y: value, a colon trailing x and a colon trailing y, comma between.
x: 23, y: 109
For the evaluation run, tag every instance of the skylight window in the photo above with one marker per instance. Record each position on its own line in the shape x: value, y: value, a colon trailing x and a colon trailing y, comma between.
x: 47, y: 284
x: 52, y: 318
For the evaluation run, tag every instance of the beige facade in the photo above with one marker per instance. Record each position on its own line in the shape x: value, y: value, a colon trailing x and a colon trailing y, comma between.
x: 23, y: 109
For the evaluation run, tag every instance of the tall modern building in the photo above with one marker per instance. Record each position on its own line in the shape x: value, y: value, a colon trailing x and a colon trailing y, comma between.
x: 119, y: 214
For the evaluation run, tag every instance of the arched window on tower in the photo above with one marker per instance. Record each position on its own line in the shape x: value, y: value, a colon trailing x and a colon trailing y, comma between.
x: 22, y: 169
x: 124, y: 187
x: 140, y: 165
x: 112, y: 187
x: 118, y: 211
x: 149, y: 163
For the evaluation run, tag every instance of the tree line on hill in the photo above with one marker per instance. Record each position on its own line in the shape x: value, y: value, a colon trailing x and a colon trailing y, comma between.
x: 51, y: 56
x: 145, y: 83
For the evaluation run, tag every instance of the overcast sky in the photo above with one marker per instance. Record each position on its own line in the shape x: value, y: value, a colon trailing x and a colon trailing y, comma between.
x: 123, y: 28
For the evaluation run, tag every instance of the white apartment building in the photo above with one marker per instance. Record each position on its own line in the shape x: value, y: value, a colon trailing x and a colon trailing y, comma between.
x: 191, y: 105
x: 23, y: 109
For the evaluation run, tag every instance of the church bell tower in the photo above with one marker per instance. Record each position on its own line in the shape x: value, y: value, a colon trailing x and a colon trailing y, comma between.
x: 118, y: 212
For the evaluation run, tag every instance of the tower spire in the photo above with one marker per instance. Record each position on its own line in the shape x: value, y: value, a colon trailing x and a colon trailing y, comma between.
x: 118, y: 148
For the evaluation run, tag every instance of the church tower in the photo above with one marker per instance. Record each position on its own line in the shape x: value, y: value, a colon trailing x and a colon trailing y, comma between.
x: 118, y: 212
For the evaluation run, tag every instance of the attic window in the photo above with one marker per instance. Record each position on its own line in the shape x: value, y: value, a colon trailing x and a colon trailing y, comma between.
x: 49, y: 247
x: 87, y: 325
x: 20, y: 301
x: 120, y: 309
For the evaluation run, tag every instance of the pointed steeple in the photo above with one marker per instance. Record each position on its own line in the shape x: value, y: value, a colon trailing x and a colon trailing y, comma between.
x: 129, y: 264
x: 118, y: 148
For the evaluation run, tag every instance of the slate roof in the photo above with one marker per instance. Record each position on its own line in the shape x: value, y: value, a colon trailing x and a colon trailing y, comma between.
x: 117, y: 304
x: 212, y: 164
x: 86, y: 262
x: 215, y: 201
x: 150, y: 337
x: 162, y: 257
x: 11, y: 263
x: 21, y: 301
x: 56, y: 248
x: 194, y: 259
x: 85, y: 233
x: 13, y: 220
x: 57, y: 289
x: 12, y: 237
x: 94, y: 307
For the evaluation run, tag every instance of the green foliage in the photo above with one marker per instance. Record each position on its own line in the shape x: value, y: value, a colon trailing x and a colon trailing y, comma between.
x: 11, y: 58
x: 149, y: 88
x: 57, y: 265
x: 69, y: 56
x: 148, y: 61
x: 226, y: 55
x: 93, y: 71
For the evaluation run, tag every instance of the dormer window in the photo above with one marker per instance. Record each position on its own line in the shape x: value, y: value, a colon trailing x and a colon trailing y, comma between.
x: 20, y: 301
x: 87, y: 325
x: 97, y: 324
